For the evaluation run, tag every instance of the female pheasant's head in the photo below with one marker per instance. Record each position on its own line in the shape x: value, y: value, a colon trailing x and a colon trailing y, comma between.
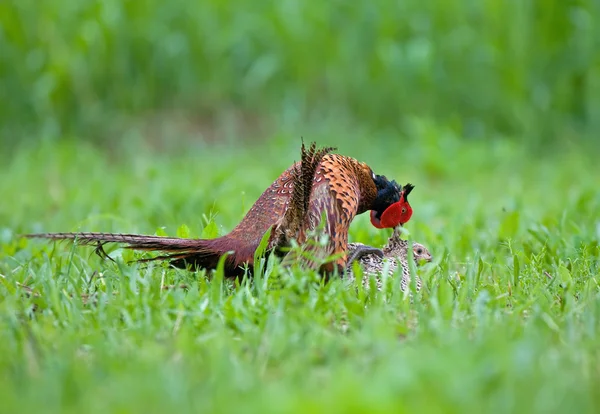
x: 391, y: 207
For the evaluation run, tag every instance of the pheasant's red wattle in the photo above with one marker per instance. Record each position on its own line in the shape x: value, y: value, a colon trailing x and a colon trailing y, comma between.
x: 392, y: 216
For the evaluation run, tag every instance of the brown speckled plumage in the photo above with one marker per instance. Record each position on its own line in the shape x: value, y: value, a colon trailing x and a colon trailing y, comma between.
x: 395, y: 253
x: 342, y: 188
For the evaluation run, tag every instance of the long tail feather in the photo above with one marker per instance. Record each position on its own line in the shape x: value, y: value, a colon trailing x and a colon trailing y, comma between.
x: 132, y: 241
x: 197, y: 253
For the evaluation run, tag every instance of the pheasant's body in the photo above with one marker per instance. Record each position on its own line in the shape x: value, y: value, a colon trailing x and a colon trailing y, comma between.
x: 395, y: 254
x: 338, y: 186
x: 341, y: 189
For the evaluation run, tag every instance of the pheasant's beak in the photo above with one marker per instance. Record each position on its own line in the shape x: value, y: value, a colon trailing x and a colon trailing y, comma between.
x: 426, y: 259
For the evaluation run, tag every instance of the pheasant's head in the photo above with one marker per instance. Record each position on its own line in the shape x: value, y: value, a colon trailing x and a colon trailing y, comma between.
x: 421, y: 253
x: 391, y: 207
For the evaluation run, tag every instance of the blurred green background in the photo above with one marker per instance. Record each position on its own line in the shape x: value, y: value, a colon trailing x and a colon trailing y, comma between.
x: 231, y: 70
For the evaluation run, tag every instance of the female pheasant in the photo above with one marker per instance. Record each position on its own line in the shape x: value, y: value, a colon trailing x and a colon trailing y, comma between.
x: 396, y: 254
x: 333, y: 185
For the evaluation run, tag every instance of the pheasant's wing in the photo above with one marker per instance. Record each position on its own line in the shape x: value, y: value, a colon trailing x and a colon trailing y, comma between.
x: 335, y: 197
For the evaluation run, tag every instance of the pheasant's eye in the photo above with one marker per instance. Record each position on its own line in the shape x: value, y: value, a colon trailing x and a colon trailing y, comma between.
x: 403, y: 210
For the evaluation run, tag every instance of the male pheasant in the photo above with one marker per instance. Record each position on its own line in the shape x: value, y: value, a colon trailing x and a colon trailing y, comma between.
x: 333, y: 185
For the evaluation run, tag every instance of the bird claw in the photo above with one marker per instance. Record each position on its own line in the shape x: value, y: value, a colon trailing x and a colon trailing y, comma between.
x: 362, y: 251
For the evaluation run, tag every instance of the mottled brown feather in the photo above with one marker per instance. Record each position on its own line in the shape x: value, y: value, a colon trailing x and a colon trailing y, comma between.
x: 342, y: 188
x: 289, y: 226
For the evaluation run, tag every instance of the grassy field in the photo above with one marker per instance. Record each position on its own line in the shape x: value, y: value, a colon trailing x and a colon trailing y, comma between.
x: 507, y: 320
x: 172, y: 117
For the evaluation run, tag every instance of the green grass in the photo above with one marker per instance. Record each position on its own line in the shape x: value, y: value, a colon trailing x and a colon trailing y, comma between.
x: 172, y: 118
x: 507, y: 320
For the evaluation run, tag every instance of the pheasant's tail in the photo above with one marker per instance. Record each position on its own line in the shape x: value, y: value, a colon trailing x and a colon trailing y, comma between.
x: 180, y: 252
x: 131, y: 241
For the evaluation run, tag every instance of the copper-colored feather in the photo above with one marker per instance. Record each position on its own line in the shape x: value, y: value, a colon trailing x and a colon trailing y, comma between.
x: 340, y: 188
x: 293, y: 220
